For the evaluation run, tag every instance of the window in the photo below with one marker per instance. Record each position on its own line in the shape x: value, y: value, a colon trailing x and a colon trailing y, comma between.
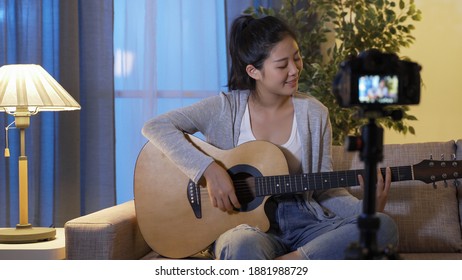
x: 168, y: 54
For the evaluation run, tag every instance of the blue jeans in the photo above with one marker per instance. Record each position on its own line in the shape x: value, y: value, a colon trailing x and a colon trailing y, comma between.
x: 298, y: 229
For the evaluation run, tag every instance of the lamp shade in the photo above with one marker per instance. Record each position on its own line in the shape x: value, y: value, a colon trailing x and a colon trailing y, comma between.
x: 29, y: 88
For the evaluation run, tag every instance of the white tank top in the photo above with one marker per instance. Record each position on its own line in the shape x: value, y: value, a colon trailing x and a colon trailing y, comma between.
x: 292, y: 149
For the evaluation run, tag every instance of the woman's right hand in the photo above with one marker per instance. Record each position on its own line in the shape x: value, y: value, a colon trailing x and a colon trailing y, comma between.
x: 220, y: 188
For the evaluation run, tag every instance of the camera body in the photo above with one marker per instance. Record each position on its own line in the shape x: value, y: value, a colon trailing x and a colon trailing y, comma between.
x: 373, y: 80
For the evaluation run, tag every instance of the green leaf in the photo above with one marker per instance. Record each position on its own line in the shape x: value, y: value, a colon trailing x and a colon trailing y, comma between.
x: 392, y: 30
x: 417, y: 17
x: 402, y: 19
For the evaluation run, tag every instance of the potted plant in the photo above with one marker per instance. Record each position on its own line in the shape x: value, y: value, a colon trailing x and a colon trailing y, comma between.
x: 330, y: 31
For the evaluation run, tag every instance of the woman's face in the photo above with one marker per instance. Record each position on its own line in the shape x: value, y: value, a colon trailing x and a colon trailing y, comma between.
x: 281, y: 70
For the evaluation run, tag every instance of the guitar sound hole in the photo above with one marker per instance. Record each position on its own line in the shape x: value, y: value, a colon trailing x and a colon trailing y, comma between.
x: 243, y: 179
x: 245, y: 192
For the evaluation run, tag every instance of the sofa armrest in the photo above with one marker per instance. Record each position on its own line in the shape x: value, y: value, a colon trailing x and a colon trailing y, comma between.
x: 111, y: 233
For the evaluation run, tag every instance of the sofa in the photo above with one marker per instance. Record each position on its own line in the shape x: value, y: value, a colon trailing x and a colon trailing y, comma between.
x: 428, y: 215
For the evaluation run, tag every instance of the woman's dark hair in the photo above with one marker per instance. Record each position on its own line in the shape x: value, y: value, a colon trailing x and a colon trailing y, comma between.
x: 250, y: 42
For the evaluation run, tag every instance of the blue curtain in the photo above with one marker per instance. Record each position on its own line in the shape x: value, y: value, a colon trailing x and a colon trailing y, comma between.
x: 71, y: 154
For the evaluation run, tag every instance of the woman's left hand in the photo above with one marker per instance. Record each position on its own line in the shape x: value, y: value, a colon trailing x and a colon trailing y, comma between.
x: 383, y: 187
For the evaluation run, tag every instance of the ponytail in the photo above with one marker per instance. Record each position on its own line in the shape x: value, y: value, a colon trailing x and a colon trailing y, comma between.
x: 250, y: 43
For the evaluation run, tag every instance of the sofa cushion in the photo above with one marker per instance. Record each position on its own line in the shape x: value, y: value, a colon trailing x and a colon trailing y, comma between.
x: 427, y: 218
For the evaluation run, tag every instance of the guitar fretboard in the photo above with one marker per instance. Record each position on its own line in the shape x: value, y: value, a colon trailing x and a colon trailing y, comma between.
x: 282, y: 184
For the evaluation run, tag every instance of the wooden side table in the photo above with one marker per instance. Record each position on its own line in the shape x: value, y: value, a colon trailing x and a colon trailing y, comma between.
x: 47, y: 250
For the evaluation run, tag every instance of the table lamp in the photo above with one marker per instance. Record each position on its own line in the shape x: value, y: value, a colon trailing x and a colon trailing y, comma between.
x: 25, y: 90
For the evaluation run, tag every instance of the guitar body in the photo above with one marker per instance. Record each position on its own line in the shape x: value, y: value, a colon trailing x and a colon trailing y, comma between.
x: 178, y: 220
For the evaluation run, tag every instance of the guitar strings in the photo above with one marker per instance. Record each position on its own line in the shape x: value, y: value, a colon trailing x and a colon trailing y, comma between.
x: 246, y: 191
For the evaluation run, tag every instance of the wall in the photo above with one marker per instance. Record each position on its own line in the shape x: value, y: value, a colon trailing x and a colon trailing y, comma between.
x: 438, y: 48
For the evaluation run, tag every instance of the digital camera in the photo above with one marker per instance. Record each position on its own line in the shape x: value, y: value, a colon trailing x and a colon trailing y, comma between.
x: 374, y: 79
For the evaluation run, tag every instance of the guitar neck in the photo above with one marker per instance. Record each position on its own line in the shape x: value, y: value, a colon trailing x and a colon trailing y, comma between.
x: 281, y: 184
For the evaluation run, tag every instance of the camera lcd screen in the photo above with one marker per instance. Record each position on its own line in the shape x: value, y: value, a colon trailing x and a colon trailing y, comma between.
x: 382, y: 89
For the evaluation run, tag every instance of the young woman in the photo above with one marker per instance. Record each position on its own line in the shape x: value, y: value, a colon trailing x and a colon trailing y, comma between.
x: 263, y: 104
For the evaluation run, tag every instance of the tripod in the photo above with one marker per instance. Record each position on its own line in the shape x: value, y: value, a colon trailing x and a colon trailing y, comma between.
x: 371, y: 153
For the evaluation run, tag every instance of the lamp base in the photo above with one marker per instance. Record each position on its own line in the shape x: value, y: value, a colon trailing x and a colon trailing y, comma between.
x: 26, y: 234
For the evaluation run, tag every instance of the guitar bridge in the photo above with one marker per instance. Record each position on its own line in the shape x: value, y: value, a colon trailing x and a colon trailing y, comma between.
x: 194, y: 198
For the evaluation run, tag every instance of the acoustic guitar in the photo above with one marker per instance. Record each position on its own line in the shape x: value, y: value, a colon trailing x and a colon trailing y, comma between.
x: 177, y: 219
